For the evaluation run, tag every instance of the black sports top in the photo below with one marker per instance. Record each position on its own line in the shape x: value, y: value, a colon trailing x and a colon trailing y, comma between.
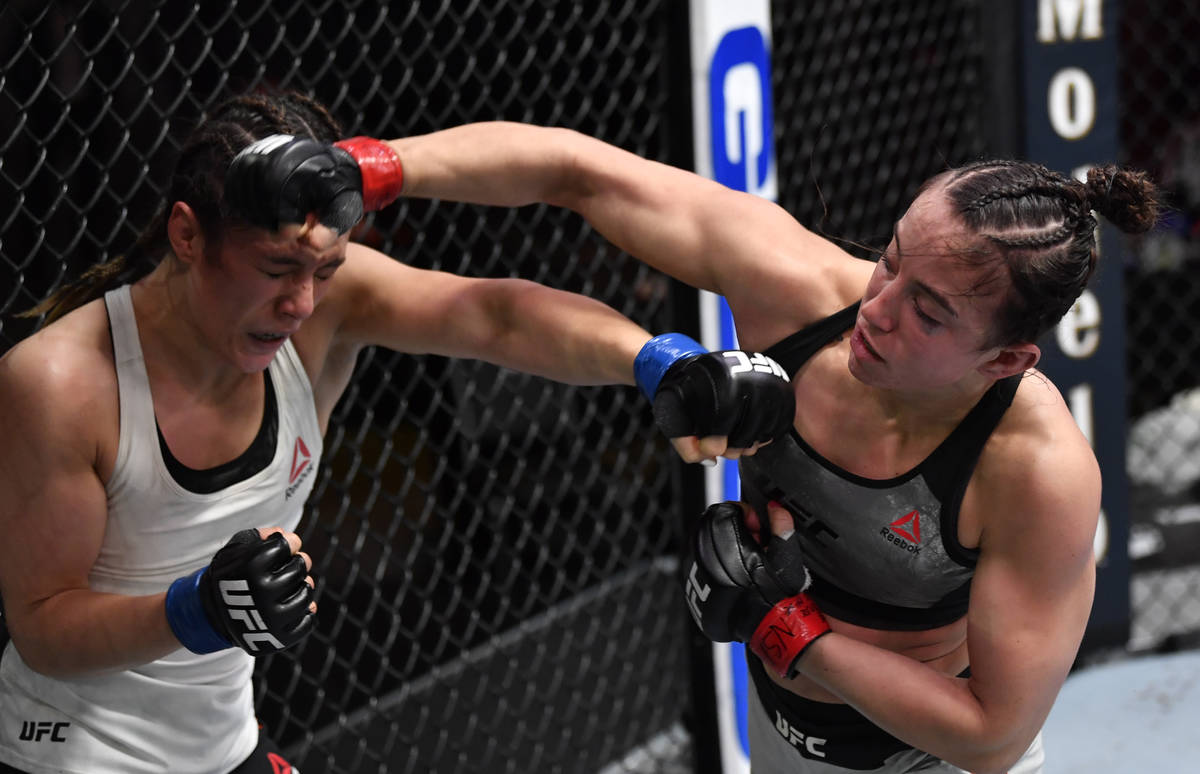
x: 883, y: 553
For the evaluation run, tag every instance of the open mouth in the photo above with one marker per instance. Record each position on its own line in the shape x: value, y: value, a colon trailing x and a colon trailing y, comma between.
x: 859, y: 342
x: 268, y: 338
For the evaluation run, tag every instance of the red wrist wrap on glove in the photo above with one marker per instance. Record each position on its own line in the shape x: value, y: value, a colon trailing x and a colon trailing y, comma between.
x: 784, y: 633
x: 382, y: 175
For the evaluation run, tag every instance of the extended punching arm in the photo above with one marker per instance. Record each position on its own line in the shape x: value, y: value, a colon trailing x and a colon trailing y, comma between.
x: 739, y: 591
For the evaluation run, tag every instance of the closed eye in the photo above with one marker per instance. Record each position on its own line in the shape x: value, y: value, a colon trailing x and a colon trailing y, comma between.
x: 930, y: 321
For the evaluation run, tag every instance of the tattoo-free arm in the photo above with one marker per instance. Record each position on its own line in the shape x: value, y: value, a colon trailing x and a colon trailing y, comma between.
x: 53, y: 511
x: 1030, y: 601
x: 687, y: 226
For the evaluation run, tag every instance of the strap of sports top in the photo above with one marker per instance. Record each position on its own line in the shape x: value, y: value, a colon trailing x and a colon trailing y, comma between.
x: 948, y: 469
x: 795, y: 350
x: 965, y: 442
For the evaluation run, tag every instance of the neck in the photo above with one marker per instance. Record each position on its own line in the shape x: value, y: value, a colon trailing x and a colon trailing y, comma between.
x: 914, y: 414
x: 174, y: 345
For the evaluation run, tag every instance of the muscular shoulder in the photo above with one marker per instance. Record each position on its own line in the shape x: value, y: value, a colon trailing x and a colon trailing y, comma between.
x: 1038, y: 481
x: 803, y: 281
x: 60, y: 382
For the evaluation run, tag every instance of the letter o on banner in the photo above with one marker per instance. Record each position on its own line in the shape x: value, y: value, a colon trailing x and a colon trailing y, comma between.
x: 1071, y: 103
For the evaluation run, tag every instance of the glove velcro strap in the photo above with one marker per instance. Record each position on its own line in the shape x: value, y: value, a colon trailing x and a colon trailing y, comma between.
x: 784, y: 632
x: 186, y: 616
x: 382, y: 174
x: 658, y: 355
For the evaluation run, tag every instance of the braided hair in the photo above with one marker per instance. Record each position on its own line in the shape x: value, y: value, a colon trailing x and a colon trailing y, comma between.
x: 198, y: 179
x: 1041, y: 225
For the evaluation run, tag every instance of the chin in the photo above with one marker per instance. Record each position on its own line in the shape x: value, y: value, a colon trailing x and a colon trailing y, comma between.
x: 251, y: 363
x: 859, y: 371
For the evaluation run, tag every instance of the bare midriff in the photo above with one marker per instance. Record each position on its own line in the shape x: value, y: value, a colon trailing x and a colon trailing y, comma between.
x: 943, y: 649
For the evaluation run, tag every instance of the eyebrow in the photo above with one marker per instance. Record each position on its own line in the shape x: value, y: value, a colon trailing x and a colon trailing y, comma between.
x: 937, y: 296
x: 285, y: 260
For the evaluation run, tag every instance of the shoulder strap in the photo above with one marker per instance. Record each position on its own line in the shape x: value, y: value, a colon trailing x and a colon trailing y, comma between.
x: 795, y: 350
x: 137, y: 425
x: 948, y: 469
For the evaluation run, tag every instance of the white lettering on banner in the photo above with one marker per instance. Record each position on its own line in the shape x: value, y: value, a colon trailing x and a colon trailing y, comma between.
x: 743, y: 116
x: 741, y: 120
x: 1080, y: 400
x: 1074, y: 18
x: 1078, y: 332
x: 1100, y: 541
x: 1071, y: 101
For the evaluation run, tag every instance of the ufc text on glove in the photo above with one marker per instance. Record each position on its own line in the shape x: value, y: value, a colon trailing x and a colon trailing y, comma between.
x: 744, y: 396
x: 253, y: 595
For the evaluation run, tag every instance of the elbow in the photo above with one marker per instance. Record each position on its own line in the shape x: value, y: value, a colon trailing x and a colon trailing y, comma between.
x: 40, y: 658
x: 993, y: 760
x: 994, y: 765
x: 571, y: 184
x: 45, y: 654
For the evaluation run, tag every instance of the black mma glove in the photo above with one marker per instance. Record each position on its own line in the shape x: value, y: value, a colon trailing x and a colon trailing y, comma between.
x: 281, y: 178
x: 739, y: 591
x: 742, y: 395
x: 253, y: 595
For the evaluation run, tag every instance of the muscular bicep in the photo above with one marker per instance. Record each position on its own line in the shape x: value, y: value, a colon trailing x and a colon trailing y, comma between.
x: 736, y: 244
x: 1032, y: 592
x: 53, y: 506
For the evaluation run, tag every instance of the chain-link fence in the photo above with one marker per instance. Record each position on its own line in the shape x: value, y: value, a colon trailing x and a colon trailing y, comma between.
x: 496, y: 552
x: 1160, y: 132
x: 872, y: 98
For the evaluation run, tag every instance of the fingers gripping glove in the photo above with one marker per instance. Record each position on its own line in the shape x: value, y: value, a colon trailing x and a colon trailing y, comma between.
x: 282, y: 178
x: 744, y: 396
x: 739, y: 591
x: 253, y: 595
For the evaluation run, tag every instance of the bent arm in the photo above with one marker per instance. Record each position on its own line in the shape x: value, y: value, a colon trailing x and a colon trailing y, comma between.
x: 53, y: 512
x: 1030, y: 600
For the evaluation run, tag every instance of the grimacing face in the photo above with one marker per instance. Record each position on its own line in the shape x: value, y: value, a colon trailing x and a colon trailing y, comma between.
x: 927, y: 314
x: 256, y: 288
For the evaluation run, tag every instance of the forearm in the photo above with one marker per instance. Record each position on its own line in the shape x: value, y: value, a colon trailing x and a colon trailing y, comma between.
x: 559, y: 335
x: 82, y: 632
x: 912, y: 701
x: 492, y: 163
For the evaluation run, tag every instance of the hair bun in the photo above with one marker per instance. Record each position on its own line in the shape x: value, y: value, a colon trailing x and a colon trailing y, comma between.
x: 1125, y: 197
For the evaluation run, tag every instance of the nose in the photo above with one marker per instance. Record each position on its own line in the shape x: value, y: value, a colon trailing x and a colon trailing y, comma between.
x: 298, y: 302
x: 880, y: 309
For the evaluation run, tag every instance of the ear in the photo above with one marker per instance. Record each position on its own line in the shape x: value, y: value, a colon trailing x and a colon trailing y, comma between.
x: 1013, y: 359
x: 184, y: 233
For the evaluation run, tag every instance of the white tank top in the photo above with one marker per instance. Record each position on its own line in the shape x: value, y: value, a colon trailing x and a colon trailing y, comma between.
x: 183, y: 713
